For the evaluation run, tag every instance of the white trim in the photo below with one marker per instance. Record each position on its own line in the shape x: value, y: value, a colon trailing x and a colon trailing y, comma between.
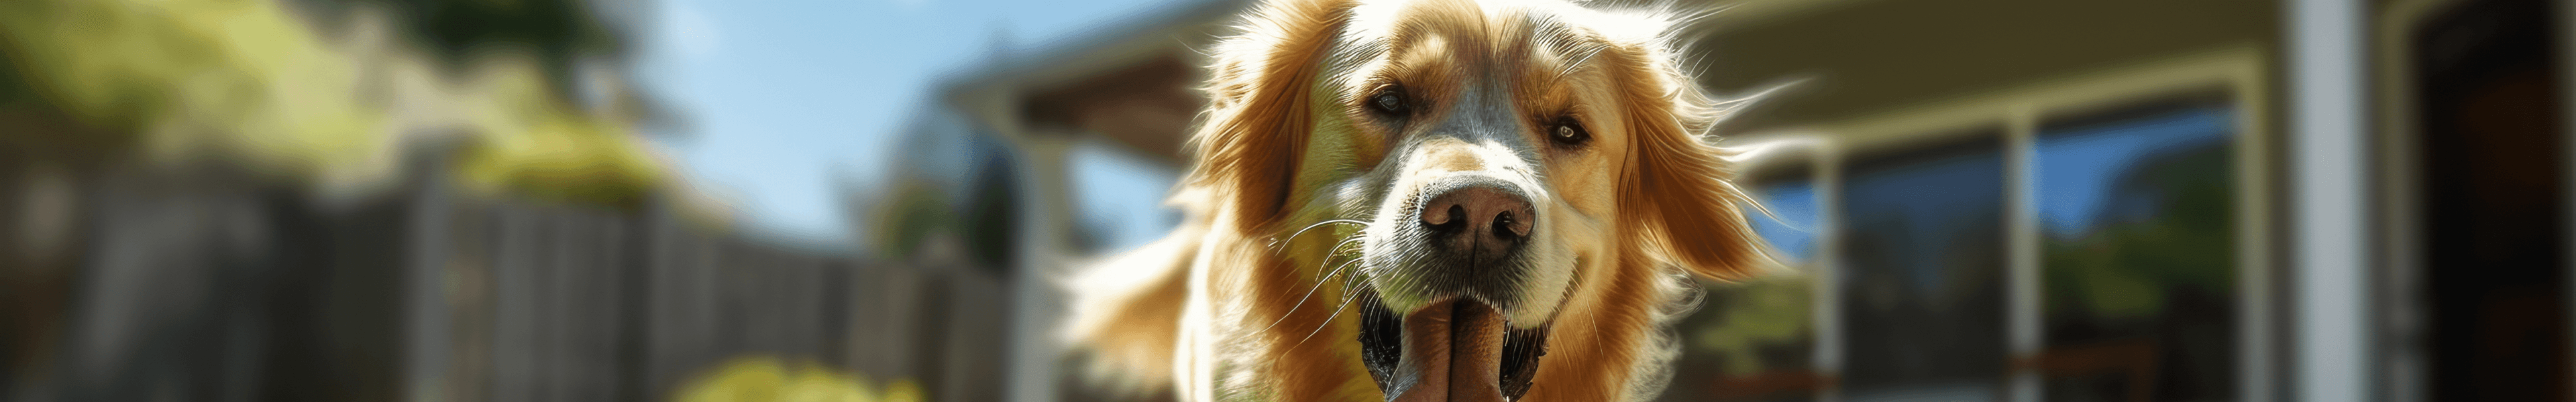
x: 2257, y: 323
x: 1821, y: 155
x: 1828, y: 168
x: 2403, y: 306
x: 2235, y: 67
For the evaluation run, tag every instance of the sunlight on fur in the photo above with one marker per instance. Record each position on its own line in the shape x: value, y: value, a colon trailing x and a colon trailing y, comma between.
x: 1434, y: 200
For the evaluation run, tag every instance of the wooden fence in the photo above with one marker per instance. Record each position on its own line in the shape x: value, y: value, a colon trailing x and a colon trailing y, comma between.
x: 214, y: 283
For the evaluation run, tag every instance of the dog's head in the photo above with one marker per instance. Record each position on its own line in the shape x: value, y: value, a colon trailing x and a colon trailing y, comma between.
x: 1498, y: 176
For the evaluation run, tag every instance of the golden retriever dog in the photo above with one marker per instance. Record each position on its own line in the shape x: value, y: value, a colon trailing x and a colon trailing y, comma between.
x: 1430, y: 200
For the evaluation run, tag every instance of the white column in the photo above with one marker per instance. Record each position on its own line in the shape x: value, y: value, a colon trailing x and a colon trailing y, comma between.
x: 2021, y: 226
x: 2329, y: 200
x: 1046, y: 218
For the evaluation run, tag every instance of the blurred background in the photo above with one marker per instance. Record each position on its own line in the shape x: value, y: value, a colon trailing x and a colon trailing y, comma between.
x: 871, y: 200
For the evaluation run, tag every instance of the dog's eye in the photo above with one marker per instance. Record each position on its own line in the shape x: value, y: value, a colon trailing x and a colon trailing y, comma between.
x: 1388, y: 102
x: 1569, y: 133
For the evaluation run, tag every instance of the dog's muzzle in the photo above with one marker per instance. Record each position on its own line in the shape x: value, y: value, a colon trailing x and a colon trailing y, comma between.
x: 1472, y: 234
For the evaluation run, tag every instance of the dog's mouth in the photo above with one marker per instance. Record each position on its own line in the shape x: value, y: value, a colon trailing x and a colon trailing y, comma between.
x: 1452, y: 350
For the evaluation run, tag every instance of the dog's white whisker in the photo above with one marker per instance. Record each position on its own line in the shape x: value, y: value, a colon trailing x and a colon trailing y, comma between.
x: 1310, y: 293
x: 1328, y: 319
x: 1320, y: 281
x: 1301, y: 232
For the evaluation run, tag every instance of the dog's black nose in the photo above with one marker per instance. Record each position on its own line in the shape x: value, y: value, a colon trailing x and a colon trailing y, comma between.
x: 1479, y: 220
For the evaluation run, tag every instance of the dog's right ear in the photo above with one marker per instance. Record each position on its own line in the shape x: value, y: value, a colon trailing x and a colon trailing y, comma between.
x: 1261, y: 108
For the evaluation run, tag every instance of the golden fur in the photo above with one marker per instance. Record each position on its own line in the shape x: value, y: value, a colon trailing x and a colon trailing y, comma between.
x: 1246, y: 300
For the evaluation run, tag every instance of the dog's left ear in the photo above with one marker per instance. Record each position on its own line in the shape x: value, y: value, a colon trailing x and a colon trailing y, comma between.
x: 1677, y: 189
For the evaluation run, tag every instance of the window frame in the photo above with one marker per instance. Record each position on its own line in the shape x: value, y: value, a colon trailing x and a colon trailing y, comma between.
x: 2240, y: 74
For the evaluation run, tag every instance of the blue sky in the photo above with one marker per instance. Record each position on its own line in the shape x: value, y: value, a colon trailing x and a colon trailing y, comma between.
x: 785, y: 99
x: 1119, y: 196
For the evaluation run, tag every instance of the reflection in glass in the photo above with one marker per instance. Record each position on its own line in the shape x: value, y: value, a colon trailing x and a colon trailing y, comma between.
x: 1790, y: 226
x: 1753, y: 340
x: 2137, y: 263
x: 1922, y: 274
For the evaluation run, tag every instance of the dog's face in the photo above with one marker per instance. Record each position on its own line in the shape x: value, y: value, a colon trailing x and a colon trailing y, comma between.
x: 1500, y: 175
x: 1499, y: 160
x: 1501, y: 156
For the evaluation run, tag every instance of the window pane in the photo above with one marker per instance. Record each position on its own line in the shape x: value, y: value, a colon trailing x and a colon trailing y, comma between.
x: 1755, y: 340
x: 2138, y: 257
x: 1922, y: 288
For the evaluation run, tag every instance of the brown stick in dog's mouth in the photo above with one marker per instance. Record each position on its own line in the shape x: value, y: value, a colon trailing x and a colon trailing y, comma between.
x: 1451, y: 350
